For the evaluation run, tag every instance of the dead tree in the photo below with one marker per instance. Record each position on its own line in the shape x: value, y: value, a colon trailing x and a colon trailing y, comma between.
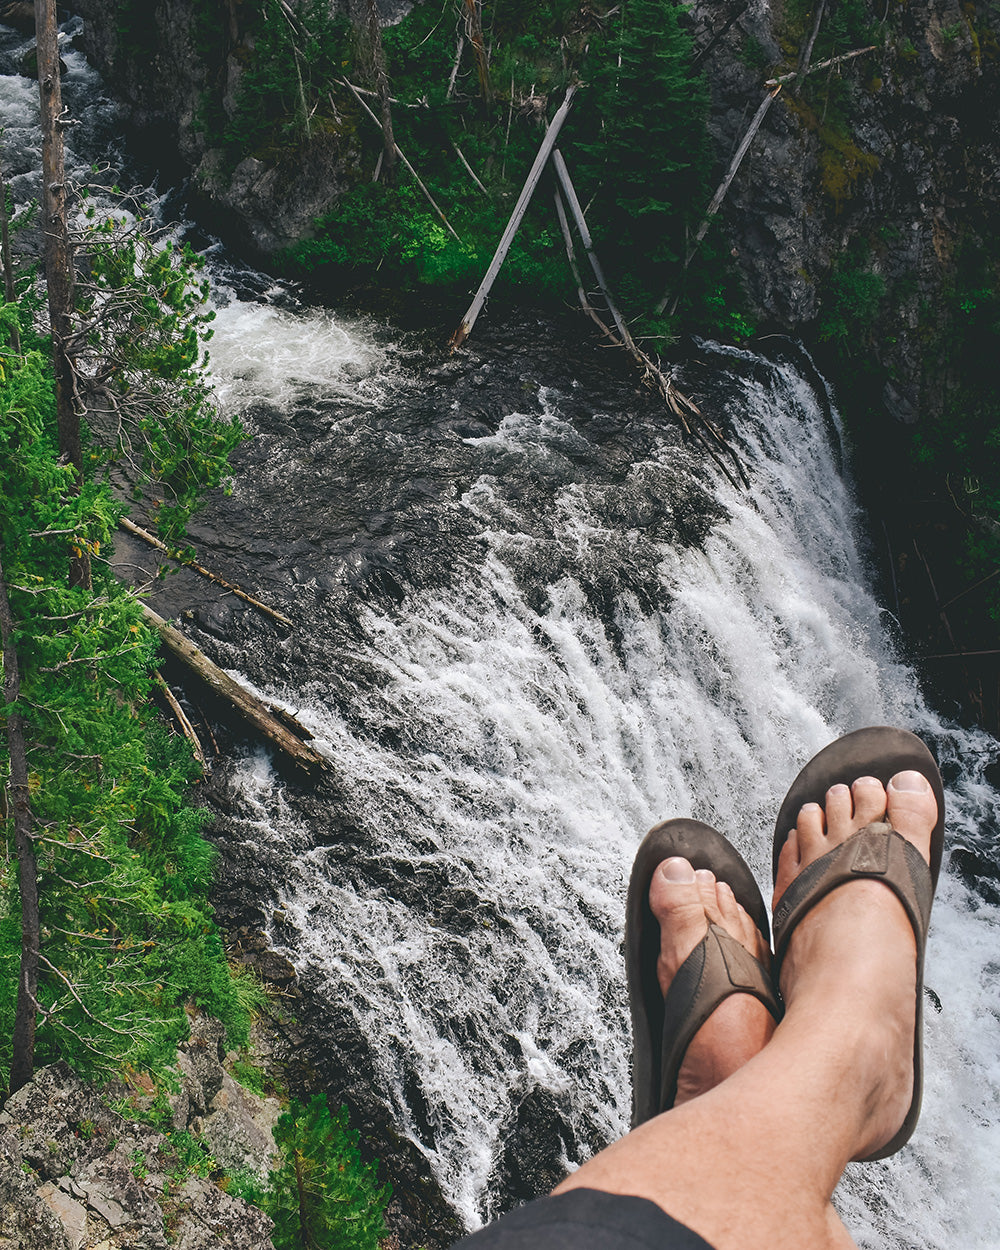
x: 510, y: 230
x: 58, y: 252
x: 364, y: 14
x: 474, y: 29
x: 26, y: 1013
x: 280, y: 729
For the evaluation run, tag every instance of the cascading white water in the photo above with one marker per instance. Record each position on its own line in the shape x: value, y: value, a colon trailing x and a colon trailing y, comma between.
x: 506, y: 756
x: 529, y: 754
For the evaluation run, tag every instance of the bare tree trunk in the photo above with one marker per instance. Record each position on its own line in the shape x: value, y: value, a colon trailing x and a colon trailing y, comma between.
x: 131, y: 528
x: 26, y: 1015
x: 10, y: 291
x: 678, y: 403
x: 806, y: 54
x: 474, y: 29
x: 58, y: 254
x: 814, y: 69
x: 381, y: 80
x: 520, y: 208
x: 562, y: 173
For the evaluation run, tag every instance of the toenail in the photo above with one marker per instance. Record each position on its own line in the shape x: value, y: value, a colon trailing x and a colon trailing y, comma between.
x: 868, y: 781
x: 839, y: 789
x: 677, y: 869
x: 910, y: 782
x: 809, y: 808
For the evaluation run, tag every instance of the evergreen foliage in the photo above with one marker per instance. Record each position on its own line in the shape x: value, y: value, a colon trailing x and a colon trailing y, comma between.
x: 127, y: 934
x: 647, y: 160
x: 635, y: 143
x: 322, y: 1196
x: 283, y: 92
x: 139, y: 360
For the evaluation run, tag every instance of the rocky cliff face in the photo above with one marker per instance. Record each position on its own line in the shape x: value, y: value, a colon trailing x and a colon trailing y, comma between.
x: 877, y: 166
x: 173, y: 61
x: 75, y: 1174
x: 881, y: 165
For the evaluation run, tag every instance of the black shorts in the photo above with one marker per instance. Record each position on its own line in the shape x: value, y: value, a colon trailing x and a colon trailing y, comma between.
x: 585, y: 1219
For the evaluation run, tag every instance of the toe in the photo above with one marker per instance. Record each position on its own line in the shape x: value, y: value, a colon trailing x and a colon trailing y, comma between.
x: 811, y: 829
x: 869, y: 801
x: 839, y: 813
x: 912, y: 809
x: 731, y: 912
x: 708, y: 889
x: 676, y: 901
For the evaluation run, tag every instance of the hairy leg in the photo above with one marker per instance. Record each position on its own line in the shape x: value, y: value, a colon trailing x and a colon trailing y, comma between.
x: 754, y: 1160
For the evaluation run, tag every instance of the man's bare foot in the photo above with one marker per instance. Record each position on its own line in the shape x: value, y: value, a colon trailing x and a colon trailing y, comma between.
x: 685, y: 902
x: 852, y: 958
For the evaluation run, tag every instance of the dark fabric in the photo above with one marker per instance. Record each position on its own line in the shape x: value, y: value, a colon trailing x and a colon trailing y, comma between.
x: 583, y: 1219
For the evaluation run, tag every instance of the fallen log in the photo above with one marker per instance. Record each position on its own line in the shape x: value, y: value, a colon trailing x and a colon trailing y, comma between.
x: 520, y: 208
x: 690, y: 415
x: 131, y: 528
x: 814, y: 69
x: 261, y: 715
x: 562, y: 173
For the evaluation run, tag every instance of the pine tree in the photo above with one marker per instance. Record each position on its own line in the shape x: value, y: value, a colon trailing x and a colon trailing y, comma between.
x: 322, y: 1196
x: 644, y: 171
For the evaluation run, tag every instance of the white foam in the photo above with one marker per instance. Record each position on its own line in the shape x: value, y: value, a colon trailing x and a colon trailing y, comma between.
x: 534, y: 755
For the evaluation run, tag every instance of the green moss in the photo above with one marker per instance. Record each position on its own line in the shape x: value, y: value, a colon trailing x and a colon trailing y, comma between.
x: 841, y: 163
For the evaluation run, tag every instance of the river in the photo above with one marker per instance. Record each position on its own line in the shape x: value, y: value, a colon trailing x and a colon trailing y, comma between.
x: 530, y: 622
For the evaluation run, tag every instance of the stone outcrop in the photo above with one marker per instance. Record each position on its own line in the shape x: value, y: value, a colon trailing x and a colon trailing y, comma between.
x: 901, y: 163
x: 237, y: 1125
x: 77, y: 1175
x: 170, y: 65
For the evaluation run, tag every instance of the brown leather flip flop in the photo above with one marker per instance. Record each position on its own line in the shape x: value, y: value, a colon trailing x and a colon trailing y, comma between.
x: 662, y: 1028
x: 876, y: 851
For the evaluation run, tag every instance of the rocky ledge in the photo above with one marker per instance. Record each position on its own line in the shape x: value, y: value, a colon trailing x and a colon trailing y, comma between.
x: 77, y: 1174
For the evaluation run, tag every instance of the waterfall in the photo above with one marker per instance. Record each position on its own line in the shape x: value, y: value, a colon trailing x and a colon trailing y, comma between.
x: 533, y: 625
x: 505, y: 751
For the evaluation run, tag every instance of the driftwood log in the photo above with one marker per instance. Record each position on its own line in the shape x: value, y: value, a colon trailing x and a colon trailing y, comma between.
x: 279, y: 728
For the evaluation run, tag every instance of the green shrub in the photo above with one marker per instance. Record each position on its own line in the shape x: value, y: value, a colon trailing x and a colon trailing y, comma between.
x: 851, y: 299
x: 322, y: 1196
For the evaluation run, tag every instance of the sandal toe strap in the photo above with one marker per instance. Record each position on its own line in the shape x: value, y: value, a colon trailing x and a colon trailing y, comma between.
x: 877, y: 852
x: 717, y: 967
